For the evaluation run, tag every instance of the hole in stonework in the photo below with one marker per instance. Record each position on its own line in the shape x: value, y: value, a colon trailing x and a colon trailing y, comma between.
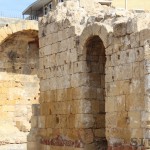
x: 20, y: 67
x: 57, y: 119
x: 138, y: 52
x: 34, y: 98
x: 127, y: 54
x: 43, y: 33
x: 50, y: 112
x: 112, y: 77
x: 130, y: 81
x: 118, y: 57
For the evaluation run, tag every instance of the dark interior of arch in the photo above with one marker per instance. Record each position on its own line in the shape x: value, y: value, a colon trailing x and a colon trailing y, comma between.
x: 19, y: 53
x: 96, y: 59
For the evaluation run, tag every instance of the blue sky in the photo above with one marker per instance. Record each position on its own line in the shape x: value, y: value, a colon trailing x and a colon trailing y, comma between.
x: 13, y: 8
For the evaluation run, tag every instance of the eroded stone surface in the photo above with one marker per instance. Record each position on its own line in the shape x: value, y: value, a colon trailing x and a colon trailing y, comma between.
x: 94, y: 78
x: 19, y: 84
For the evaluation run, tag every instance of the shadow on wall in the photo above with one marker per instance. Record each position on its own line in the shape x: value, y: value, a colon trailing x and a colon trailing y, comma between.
x: 19, y: 84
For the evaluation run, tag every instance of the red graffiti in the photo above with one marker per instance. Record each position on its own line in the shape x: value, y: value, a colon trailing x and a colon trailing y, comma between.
x: 60, y: 141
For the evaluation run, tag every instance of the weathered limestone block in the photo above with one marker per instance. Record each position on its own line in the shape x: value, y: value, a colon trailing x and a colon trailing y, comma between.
x: 51, y: 28
x: 84, y: 121
x: 131, y: 26
x: 35, y: 109
x: 34, y: 122
x: 41, y: 122
x: 135, y: 119
x: 135, y: 40
x: 120, y: 28
x: 84, y: 92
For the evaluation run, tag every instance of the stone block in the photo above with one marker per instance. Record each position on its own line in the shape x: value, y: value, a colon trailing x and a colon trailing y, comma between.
x: 34, y: 121
x: 136, y: 70
x: 130, y: 55
x: 52, y: 60
x: 71, y: 121
x: 51, y: 28
x: 54, y: 48
x: 131, y: 26
x: 71, y: 42
x: 41, y: 122
x: 84, y: 121
x: 99, y: 121
x: 54, y: 38
x: 111, y: 120
x: 79, y: 79
x: 35, y: 109
x: 81, y: 66
x: 135, y: 40
x: 50, y: 121
x: 60, y: 36
x: 135, y: 102
x: 100, y: 133
x: 120, y: 28
x: 82, y: 106
x: 134, y: 119
x: 84, y: 92
x: 87, y: 135
x: 47, y: 50
x: 139, y: 54
x: 110, y: 104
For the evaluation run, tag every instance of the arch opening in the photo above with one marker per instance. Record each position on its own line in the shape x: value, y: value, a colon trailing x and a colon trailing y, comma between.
x: 19, y: 61
x: 95, y: 60
x: 19, y: 53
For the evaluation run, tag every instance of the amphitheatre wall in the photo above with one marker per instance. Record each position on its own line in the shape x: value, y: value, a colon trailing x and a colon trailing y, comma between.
x: 19, y: 84
x: 94, y: 79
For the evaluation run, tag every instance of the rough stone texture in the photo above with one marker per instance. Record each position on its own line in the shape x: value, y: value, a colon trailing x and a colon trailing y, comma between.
x: 4, y: 21
x: 94, y: 79
x: 19, y: 84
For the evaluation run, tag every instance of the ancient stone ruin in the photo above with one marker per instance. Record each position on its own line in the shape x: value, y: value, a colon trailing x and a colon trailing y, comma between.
x: 94, y: 78
x: 19, y: 84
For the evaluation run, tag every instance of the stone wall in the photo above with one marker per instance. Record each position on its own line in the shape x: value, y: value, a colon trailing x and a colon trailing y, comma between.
x: 19, y: 84
x: 94, y: 79
x: 5, y: 21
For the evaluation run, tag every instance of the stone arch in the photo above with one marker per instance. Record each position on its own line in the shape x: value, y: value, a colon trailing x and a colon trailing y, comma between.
x: 18, y: 70
x: 102, y: 30
x: 20, y: 26
x: 92, y: 52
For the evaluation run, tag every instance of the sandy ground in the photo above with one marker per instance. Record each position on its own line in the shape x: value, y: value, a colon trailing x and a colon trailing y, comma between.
x: 14, y: 147
x: 11, y: 138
